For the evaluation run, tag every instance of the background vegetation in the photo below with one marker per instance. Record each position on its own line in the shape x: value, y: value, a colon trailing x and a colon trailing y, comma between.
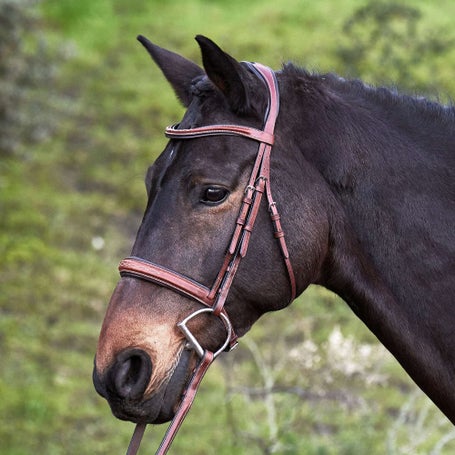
x: 82, y: 111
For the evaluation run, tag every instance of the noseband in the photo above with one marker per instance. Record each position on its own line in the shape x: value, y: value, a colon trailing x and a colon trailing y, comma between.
x: 215, y: 297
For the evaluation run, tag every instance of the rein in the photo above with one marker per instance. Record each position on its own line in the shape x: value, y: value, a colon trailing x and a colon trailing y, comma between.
x: 215, y: 297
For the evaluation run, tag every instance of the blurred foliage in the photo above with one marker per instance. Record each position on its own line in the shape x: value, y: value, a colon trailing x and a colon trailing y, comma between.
x: 82, y: 111
x: 388, y: 42
x: 28, y: 107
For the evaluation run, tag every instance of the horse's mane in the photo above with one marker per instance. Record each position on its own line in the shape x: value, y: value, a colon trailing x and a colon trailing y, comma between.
x: 387, y: 97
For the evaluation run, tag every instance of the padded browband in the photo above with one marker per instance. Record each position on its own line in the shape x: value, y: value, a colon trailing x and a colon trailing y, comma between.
x: 218, y: 130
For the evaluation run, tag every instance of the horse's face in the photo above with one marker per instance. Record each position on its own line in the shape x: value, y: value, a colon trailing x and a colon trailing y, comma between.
x: 195, y: 189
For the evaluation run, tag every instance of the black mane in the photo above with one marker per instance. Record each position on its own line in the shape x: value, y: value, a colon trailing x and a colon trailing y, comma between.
x: 387, y: 97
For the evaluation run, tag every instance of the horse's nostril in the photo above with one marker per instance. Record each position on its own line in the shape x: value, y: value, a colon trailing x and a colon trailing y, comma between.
x: 129, y: 376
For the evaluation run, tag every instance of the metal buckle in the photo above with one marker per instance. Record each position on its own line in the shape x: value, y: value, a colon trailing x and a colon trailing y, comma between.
x: 192, y: 339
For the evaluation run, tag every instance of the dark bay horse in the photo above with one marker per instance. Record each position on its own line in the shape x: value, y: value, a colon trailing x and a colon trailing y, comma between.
x: 364, y: 179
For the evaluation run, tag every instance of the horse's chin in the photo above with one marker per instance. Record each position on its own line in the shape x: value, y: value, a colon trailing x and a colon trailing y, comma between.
x: 162, y: 405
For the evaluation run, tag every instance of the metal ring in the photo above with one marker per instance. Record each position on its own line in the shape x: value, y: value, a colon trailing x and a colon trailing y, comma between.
x: 192, y: 339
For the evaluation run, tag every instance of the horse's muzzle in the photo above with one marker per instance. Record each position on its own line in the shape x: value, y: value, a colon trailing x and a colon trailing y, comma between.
x: 123, y: 385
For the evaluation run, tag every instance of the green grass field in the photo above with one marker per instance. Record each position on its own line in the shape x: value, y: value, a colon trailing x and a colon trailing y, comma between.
x: 86, y: 112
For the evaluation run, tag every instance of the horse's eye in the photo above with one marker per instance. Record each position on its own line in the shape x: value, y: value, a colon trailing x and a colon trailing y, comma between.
x: 213, y: 195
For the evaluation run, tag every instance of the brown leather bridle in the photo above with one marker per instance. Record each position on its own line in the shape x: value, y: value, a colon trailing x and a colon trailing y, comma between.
x: 215, y: 297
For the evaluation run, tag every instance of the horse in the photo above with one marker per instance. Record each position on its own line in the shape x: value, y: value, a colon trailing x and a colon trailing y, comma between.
x: 364, y: 180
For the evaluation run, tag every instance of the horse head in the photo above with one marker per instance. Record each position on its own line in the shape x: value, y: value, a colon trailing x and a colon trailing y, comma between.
x: 195, y: 189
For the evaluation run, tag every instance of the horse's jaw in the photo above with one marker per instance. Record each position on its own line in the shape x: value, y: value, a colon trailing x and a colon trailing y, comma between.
x: 162, y: 404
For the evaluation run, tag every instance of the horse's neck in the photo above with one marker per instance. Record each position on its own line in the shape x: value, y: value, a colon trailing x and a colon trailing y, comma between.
x: 404, y: 297
x: 392, y: 171
x: 401, y: 208
x: 392, y: 255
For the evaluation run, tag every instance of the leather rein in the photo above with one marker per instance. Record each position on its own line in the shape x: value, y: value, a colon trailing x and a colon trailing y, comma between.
x: 214, y: 298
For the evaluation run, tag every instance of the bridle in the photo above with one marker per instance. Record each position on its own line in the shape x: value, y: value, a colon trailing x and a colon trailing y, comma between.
x: 214, y: 298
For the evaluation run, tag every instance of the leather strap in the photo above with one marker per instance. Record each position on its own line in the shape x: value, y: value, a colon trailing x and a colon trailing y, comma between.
x: 182, y: 411
x: 219, y: 130
x: 140, y: 268
x: 186, y: 403
x: 136, y: 439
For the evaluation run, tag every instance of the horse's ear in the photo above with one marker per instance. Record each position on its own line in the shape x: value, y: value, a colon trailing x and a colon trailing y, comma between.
x: 178, y: 70
x: 228, y: 75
